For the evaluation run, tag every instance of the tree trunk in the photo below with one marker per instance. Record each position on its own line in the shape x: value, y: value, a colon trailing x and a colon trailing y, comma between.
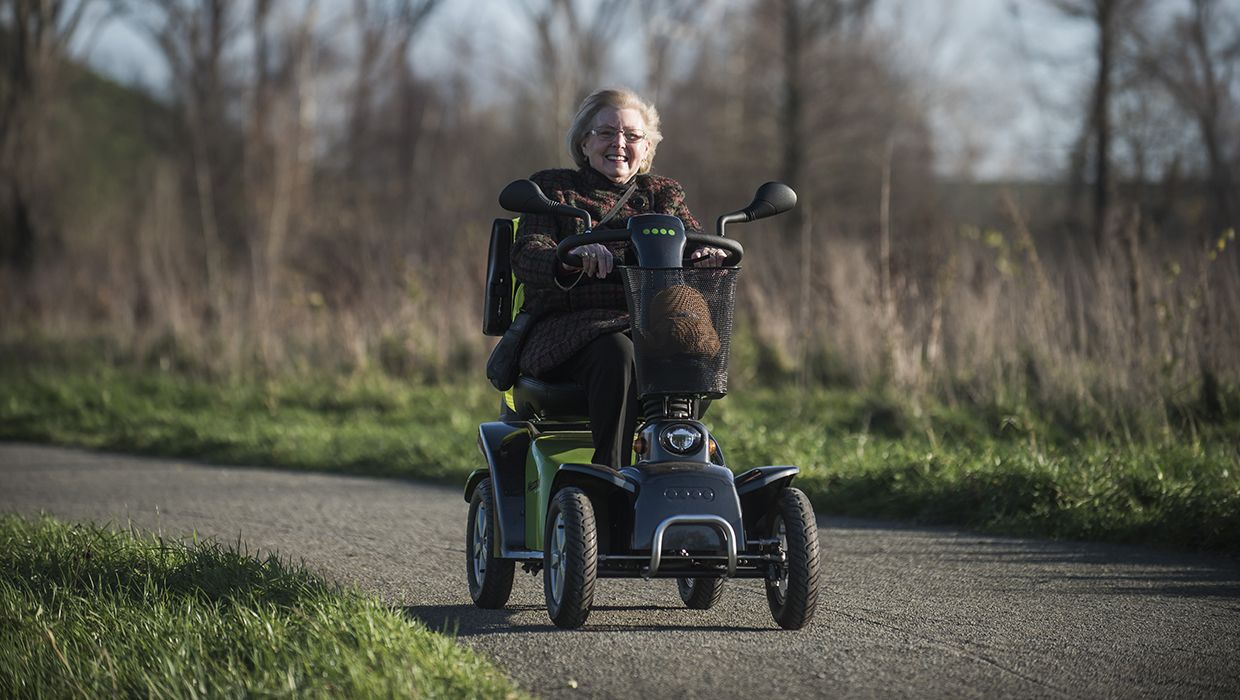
x: 791, y: 114
x: 1102, y: 120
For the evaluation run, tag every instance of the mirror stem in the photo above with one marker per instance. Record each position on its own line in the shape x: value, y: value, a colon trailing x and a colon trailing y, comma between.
x: 735, y: 217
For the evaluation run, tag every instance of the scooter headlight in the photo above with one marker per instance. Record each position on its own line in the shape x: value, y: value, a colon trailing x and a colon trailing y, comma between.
x: 681, y: 438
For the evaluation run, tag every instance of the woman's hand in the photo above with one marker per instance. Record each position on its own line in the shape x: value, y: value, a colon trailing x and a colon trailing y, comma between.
x: 596, y: 259
x: 708, y: 256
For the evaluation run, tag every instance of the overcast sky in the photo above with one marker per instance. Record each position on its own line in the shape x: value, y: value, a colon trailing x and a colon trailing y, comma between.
x: 1001, y: 75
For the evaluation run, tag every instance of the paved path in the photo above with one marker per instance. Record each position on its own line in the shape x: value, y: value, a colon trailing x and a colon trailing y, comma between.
x: 906, y: 612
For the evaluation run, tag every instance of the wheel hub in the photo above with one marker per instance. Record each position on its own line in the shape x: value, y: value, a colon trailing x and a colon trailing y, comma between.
x: 558, y: 565
x: 780, y: 582
x: 482, y: 543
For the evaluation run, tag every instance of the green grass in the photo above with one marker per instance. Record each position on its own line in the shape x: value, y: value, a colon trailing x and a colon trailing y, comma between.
x: 956, y: 467
x: 368, y: 425
x: 91, y: 612
x: 1014, y: 469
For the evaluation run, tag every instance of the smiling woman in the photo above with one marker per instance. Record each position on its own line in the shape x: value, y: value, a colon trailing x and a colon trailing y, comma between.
x: 579, y: 336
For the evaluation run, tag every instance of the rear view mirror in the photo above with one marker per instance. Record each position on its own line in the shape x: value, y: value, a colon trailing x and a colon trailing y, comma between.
x: 770, y: 199
x: 525, y: 197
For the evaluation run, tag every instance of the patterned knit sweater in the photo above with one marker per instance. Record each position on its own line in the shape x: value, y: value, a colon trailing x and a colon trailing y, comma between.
x: 570, y: 320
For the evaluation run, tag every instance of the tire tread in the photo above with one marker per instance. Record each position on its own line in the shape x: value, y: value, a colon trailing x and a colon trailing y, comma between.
x: 704, y: 594
x: 496, y: 585
x: 801, y: 600
x: 581, y: 548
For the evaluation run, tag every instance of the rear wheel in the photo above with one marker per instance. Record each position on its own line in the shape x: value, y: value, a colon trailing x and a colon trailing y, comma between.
x: 490, y: 578
x: 793, y: 589
x: 570, y: 558
x: 700, y: 593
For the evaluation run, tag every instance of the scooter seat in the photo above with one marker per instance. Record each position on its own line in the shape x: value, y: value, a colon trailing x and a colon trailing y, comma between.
x: 538, y: 400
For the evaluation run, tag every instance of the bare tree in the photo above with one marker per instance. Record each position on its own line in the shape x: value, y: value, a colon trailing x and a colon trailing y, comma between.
x: 386, y: 30
x: 1108, y: 20
x: 572, y: 51
x: 665, y: 24
x: 277, y: 159
x: 39, y: 33
x: 1195, y: 60
x: 805, y: 25
x: 194, y: 36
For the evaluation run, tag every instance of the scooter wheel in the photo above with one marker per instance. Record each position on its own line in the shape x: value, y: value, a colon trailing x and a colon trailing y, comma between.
x: 570, y: 558
x: 793, y: 596
x: 490, y: 577
x: 700, y: 593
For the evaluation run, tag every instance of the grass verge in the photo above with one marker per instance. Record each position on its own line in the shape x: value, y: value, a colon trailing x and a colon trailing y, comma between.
x: 1000, y: 469
x: 91, y: 612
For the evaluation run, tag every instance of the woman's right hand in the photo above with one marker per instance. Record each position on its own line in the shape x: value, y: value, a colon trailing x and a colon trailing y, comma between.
x: 596, y: 259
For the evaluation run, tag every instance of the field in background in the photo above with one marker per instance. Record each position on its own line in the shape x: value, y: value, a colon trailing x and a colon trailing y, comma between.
x: 92, y: 612
x: 233, y: 226
x: 1020, y: 467
x: 278, y: 256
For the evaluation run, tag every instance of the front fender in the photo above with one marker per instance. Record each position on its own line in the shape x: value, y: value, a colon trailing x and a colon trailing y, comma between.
x: 503, y: 446
x: 610, y: 492
x: 759, y: 489
x: 475, y: 478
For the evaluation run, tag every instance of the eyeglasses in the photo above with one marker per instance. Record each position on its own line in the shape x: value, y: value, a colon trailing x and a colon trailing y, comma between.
x: 608, y: 134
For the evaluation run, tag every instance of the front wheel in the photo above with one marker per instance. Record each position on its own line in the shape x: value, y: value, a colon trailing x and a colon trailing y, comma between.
x: 490, y: 578
x: 793, y: 589
x: 700, y: 593
x: 570, y: 558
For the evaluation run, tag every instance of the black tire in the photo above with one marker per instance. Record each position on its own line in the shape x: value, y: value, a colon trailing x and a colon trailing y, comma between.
x: 490, y: 577
x: 794, y: 596
x: 570, y: 558
x: 700, y: 593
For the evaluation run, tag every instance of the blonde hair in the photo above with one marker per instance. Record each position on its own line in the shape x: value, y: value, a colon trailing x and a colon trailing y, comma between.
x: 620, y: 98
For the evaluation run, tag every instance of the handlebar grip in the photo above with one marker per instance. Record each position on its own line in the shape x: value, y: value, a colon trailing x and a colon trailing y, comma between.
x: 561, y: 250
x: 735, y: 250
x: 575, y: 263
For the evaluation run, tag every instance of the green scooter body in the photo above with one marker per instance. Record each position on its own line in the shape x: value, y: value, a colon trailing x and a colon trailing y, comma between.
x: 543, y: 460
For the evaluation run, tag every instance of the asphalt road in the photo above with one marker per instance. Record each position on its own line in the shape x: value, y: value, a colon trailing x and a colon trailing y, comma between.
x: 905, y: 611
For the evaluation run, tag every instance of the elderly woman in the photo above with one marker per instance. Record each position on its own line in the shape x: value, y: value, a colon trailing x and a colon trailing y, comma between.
x: 580, y: 335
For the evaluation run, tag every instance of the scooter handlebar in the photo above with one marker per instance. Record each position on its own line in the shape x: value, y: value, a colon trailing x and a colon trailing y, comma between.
x: 692, y: 241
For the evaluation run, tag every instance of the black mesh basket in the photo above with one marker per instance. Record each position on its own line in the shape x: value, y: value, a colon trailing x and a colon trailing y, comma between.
x: 682, y: 328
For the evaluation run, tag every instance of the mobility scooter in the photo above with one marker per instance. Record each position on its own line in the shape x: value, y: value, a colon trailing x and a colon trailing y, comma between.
x: 679, y: 511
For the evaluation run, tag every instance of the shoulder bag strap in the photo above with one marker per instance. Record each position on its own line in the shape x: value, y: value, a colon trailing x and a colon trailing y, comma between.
x: 623, y: 198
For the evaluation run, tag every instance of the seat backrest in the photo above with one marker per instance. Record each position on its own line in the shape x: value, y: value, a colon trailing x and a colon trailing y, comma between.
x: 504, y: 296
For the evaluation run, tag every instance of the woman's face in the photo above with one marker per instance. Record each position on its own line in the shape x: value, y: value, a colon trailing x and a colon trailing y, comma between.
x: 612, y: 153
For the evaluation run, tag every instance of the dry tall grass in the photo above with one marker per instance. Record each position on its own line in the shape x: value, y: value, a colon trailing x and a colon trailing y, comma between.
x: 1145, y: 327
x: 981, y: 316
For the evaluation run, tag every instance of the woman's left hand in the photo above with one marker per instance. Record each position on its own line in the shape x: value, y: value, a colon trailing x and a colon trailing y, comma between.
x: 708, y: 256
